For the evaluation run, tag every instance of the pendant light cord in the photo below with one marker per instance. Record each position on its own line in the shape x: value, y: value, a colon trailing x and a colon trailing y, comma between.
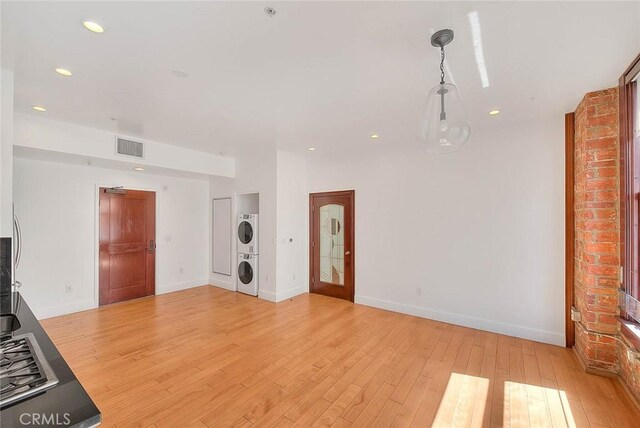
x: 442, y: 65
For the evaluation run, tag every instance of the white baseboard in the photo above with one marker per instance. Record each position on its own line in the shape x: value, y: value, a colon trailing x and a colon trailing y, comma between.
x: 287, y: 294
x: 466, y: 321
x: 221, y: 284
x: 267, y: 295
x: 226, y: 283
x: 177, y: 286
x: 279, y: 296
x: 68, y: 308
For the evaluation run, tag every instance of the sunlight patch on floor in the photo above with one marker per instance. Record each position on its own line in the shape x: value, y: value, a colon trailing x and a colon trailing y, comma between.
x: 464, y: 402
x: 532, y: 405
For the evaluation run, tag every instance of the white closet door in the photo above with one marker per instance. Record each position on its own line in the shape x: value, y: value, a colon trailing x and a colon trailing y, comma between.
x: 222, y: 236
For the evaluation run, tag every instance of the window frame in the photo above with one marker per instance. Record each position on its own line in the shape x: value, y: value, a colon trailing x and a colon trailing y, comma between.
x: 630, y: 194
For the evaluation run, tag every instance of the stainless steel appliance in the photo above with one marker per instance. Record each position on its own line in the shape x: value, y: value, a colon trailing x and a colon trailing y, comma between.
x: 17, y: 248
x: 24, y: 371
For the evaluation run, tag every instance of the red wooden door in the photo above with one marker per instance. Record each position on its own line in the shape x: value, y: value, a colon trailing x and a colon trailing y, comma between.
x: 331, y: 244
x: 127, y: 244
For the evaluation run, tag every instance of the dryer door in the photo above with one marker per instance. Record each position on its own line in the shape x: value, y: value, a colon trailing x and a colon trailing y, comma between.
x: 246, y: 237
x: 245, y: 232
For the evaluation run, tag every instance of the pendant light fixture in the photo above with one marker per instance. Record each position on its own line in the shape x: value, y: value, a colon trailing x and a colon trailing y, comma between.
x: 445, y: 125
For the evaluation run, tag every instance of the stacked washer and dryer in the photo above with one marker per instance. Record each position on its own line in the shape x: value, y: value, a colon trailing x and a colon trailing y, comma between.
x: 248, y: 254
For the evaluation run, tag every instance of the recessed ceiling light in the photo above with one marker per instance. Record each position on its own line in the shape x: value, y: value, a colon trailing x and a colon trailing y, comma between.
x: 63, y: 72
x: 93, y: 26
x: 494, y: 112
x: 270, y: 11
x: 138, y: 168
x: 180, y: 74
x: 311, y: 149
x: 374, y: 136
x: 39, y: 108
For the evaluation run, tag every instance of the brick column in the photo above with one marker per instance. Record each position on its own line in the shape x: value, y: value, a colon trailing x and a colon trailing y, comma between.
x: 597, y: 210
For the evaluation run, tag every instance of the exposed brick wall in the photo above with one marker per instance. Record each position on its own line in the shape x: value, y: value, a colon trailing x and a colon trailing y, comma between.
x: 597, y: 211
x: 629, y: 370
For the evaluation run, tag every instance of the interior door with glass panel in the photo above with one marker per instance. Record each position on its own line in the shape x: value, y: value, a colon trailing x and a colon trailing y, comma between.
x: 331, y: 244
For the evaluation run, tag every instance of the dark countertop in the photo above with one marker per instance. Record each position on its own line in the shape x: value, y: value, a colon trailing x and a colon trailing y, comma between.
x: 67, y: 397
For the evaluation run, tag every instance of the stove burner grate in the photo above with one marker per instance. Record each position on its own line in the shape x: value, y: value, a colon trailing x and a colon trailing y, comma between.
x: 23, y: 369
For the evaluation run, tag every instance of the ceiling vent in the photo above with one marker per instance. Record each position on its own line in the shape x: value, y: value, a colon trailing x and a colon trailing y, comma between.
x: 126, y: 147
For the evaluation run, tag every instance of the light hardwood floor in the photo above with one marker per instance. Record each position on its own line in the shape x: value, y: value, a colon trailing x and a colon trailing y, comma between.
x: 209, y: 357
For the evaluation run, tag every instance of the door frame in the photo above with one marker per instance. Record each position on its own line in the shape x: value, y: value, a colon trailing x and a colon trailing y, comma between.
x: 231, y: 231
x: 96, y: 236
x: 569, y: 228
x: 351, y: 194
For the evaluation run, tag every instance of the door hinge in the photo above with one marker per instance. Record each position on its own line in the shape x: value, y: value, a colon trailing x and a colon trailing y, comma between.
x: 621, y: 275
x: 313, y: 279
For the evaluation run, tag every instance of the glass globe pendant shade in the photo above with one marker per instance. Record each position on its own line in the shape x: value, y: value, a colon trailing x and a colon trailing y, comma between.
x: 445, y: 126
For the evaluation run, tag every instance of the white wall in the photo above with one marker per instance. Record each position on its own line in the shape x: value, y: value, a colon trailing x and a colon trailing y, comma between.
x: 6, y: 152
x: 56, y: 204
x: 248, y: 203
x: 254, y: 174
x: 60, y: 137
x: 280, y: 178
x: 292, y: 264
x: 474, y: 238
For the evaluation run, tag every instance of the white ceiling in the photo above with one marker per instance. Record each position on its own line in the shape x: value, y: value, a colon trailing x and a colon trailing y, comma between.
x: 322, y: 74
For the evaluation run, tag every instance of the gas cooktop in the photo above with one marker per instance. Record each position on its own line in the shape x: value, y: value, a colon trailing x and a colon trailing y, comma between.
x: 23, y: 369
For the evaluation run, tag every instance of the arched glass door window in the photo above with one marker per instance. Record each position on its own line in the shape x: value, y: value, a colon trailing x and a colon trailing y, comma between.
x: 332, y: 244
